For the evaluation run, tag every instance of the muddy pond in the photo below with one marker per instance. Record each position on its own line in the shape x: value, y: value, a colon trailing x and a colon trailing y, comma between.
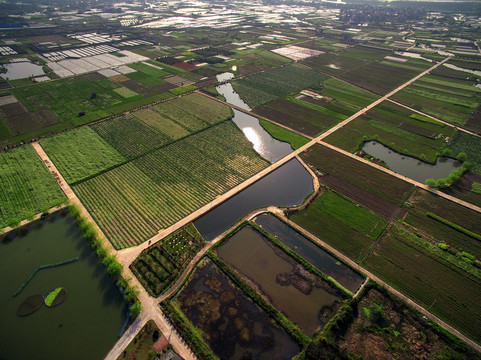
x: 410, y: 167
x: 86, y: 325
x: 306, y: 299
x: 288, y: 185
x: 234, y: 326
x: 319, y: 258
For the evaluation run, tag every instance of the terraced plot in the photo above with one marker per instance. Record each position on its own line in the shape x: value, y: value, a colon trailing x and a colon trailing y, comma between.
x: 27, y: 187
x: 133, y: 201
x: 445, y: 94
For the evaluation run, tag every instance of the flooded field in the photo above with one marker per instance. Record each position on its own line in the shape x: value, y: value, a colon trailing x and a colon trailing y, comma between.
x: 306, y: 299
x: 319, y: 258
x: 286, y: 186
x: 410, y: 167
x: 86, y: 324
x: 233, y: 326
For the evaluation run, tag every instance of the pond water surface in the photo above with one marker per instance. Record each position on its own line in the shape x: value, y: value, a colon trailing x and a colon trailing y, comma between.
x: 303, y: 297
x: 318, y: 257
x: 267, y: 146
x: 410, y: 167
x: 235, y: 327
x: 288, y: 185
x: 21, y: 70
x: 86, y: 325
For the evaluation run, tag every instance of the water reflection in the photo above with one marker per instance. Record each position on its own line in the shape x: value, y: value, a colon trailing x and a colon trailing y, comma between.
x: 410, y: 167
x: 286, y: 186
x: 265, y: 145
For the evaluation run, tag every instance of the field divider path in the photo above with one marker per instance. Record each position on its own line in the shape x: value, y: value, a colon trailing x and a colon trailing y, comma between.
x: 435, y: 118
x: 391, y: 289
x: 150, y: 308
x: 402, y: 177
x: 70, y: 194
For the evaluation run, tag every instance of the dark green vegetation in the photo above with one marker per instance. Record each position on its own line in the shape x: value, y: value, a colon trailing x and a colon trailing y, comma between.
x: 140, y: 347
x: 210, y: 299
x: 471, y: 146
x: 133, y: 201
x: 341, y: 223
x: 147, y: 75
x: 377, y: 325
x: 442, y: 221
x: 402, y: 130
x: 270, y: 85
x: 401, y: 259
x: 158, y: 267
x: 446, y: 94
x: 314, y: 116
x: 282, y: 134
x: 27, y: 186
x: 366, y: 67
x: 370, y: 187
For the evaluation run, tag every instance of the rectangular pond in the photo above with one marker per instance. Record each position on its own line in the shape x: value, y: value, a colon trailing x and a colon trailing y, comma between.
x: 233, y: 326
x: 86, y: 325
x: 318, y: 257
x: 305, y: 298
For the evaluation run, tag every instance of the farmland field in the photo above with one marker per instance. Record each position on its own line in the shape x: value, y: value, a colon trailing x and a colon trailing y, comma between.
x: 129, y: 136
x: 341, y: 223
x: 313, y: 117
x: 425, y: 202
x: 400, y: 129
x: 134, y: 201
x: 471, y: 146
x: 362, y: 176
x: 161, y: 264
x: 75, y: 160
x: 400, y: 261
x: 27, y: 187
x: 270, y: 85
x: 147, y: 75
x: 443, y: 95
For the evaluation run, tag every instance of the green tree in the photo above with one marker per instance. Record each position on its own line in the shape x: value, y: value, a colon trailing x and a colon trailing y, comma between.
x: 430, y: 182
x: 115, y: 268
x: 462, y: 156
x: 135, y: 309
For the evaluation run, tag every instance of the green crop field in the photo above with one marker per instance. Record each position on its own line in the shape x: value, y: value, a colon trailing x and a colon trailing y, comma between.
x: 359, y: 175
x: 424, y: 202
x: 397, y: 128
x: 344, y: 225
x: 469, y: 144
x: 147, y: 75
x: 27, y: 187
x: 80, y: 154
x: 129, y: 136
x: 161, y: 264
x: 270, y: 85
x: 133, y: 201
x: 443, y: 96
x: 447, y: 291
x: 68, y: 97
x: 283, y: 134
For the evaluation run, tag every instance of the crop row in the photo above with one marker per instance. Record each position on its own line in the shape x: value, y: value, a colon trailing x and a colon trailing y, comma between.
x: 165, y: 185
x: 27, y: 187
x: 129, y: 136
